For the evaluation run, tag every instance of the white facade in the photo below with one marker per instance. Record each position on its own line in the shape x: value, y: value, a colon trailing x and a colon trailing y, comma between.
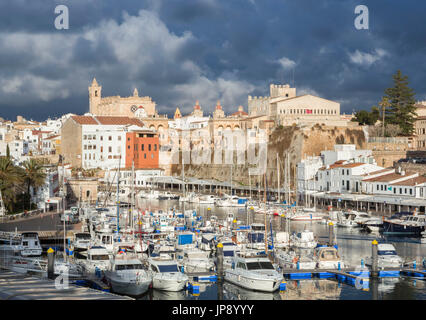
x: 347, y: 152
x: 140, y: 181
x: 49, y: 190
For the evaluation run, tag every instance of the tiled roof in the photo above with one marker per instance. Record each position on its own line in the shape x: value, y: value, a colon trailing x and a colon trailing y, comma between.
x: 411, y: 182
x: 119, y: 121
x: 377, y: 172
x: 388, y: 177
x: 84, y: 119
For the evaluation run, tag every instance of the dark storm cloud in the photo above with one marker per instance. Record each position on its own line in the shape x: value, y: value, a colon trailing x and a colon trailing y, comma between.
x: 178, y: 51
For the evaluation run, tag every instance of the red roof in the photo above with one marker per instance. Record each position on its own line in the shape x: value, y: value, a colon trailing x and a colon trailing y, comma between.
x: 388, y: 177
x: 119, y: 121
x: 84, y: 119
x: 411, y: 182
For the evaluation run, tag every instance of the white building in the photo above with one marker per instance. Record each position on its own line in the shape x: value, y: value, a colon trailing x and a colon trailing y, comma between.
x: 49, y: 190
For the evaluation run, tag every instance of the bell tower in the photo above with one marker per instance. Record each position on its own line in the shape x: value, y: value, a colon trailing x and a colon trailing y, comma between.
x: 94, y: 96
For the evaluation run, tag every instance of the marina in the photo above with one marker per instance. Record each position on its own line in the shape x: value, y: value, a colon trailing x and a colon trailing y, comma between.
x: 200, y: 229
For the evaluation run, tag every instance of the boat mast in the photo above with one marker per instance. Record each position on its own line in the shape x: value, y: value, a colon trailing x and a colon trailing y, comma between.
x: 118, y: 196
x: 278, y: 169
x: 133, y: 196
x: 264, y: 212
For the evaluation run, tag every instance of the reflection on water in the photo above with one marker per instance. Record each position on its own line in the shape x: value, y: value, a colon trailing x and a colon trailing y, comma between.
x: 353, y: 244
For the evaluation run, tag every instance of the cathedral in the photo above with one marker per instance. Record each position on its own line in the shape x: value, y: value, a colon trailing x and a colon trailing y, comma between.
x: 132, y: 106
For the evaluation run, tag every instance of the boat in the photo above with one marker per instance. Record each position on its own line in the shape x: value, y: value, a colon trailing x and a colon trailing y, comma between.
x: 166, y: 274
x: 291, y: 260
x: 30, y: 244
x: 81, y: 241
x: 10, y: 246
x: 230, y: 249
x: 167, y: 195
x: 253, y: 272
x: 208, y: 199
x: 96, y: 258
x: 39, y: 267
x: 196, y: 261
x: 386, y: 257
x: 128, y: 275
x: 373, y: 225
x: 303, y: 240
x: 328, y: 258
x: 281, y: 239
x: 347, y: 220
x: 405, y: 224
x: 232, y: 201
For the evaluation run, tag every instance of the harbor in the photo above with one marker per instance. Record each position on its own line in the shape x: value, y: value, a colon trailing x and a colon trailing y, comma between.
x: 348, y: 275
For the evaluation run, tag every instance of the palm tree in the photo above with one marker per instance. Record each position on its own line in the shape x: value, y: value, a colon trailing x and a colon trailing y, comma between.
x: 10, y: 182
x: 34, y: 176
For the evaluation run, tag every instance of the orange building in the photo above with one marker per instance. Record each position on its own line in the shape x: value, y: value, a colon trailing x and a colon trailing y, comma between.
x: 142, y: 147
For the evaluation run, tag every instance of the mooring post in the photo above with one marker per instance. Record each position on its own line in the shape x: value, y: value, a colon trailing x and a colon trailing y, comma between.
x: 50, y: 263
x: 219, y: 256
x: 374, y: 265
x: 330, y: 234
x: 219, y: 253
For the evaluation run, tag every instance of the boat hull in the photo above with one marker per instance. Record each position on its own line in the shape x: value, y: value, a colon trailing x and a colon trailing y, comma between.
x: 265, y: 285
x: 168, y: 284
x: 130, y: 288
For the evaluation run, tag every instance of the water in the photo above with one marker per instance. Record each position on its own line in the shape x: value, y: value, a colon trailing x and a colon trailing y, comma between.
x: 353, y: 246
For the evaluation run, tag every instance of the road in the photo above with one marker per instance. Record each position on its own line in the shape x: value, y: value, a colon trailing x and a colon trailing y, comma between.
x: 44, y: 222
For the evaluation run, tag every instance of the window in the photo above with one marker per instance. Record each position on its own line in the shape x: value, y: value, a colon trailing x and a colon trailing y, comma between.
x: 144, y: 155
x: 109, y: 149
x: 411, y: 191
x: 152, y: 157
x: 347, y: 172
x: 84, y: 137
x: 109, y: 138
x: 149, y: 147
x: 377, y: 187
x: 142, y: 147
x: 102, y: 138
x: 155, y: 147
x: 343, y: 172
x: 119, y: 138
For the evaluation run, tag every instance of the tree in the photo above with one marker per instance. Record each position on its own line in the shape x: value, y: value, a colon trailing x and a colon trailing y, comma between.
x: 34, y: 175
x: 10, y: 182
x: 7, y: 151
x: 401, y: 110
x: 365, y: 117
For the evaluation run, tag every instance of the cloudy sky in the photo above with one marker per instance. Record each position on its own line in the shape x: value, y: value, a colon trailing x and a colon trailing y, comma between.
x: 179, y: 51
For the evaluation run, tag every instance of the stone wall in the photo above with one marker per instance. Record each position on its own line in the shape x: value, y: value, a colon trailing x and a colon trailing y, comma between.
x: 297, y: 142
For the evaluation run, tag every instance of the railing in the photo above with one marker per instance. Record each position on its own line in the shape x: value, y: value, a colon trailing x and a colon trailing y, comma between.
x: 21, y: 215
x: 394, y: 140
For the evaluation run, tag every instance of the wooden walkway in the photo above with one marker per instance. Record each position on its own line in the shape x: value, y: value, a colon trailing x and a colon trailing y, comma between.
x: 15, y: 286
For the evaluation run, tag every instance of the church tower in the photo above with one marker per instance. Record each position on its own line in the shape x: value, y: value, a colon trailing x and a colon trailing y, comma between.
x: 94, y: 96
x: 218, y: 112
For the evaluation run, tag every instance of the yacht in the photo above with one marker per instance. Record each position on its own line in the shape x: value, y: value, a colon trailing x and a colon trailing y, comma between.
x: 167, y: 195
x: 281, y: 239
x: 166, y: 274
x: 328, y: 258
x: 208, y: 199
x: 405, y: 224
x: 128, y: 276
x: 372, y: 225
x: 30, y: 244
x: 206, y: 241
x: 254, y: 272
x: 81, y: 241
x: 387, y: 257
x: 94, y: 259
x: 233, y: 201
x: 230, y: 249
x: 347, y: 220
x: 291, y: 260
x: 196, y: 261
x: 38, y: 266
x: 303, y: 240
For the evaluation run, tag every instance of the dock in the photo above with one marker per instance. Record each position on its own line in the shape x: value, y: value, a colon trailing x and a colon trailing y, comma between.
x: 15, y: 286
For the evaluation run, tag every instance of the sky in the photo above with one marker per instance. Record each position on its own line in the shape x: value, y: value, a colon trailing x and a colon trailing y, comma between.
x: 180, y: 51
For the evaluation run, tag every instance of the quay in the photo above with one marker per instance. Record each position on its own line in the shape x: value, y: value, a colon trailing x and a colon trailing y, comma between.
x: 14, y: 286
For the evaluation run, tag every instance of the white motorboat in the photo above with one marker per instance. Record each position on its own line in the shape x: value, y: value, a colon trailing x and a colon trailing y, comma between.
x: 38, y: 266
x: 253, y: 272
x: 208, y: 199
x: 303, y: 240
x: 10, y: 245
x: 128, y: 275
x: 206, y: 241
x: 95, y: 259
x: 291, y: 260
x: 347, y: 220
x: 196, y: 261
x: 230, y: 249
x: 81, y: 241
x: 233, y: 201
x: 386, y: 257
x: 328, y: 258
x: 281, y: 239
x: 30, y: 244
x: 166, y: 274
x: 373, y: 224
